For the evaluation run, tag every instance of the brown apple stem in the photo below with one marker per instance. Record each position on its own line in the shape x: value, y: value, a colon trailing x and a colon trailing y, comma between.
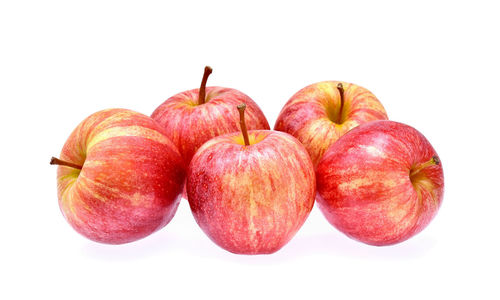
x: 433, y: 161
x: 340, y: 87
x: 57, y: 161
x: 241, y: 109
x: 201, y: 94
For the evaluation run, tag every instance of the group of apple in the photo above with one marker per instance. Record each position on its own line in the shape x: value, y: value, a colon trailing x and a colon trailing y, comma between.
x: 121, y: 174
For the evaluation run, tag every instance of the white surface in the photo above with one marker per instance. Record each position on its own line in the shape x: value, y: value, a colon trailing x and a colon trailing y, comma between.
x: 434, y: 65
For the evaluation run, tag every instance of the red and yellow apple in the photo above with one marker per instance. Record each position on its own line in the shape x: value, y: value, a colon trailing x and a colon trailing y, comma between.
x: 193, y: 117
x: 319, y: 114
x: 381, y: 183
x: 251, y: 192
x: 119, y: 177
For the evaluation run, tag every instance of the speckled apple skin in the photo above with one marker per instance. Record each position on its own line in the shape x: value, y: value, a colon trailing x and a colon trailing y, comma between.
x: 251, y: 199
x: 308, y: 114
x: 364, y: 186
x: 131, y: 178
x: 189, y: 125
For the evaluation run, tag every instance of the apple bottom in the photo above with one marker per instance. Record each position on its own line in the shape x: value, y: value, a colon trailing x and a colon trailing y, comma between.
x: 122, y: 225
x: 377, y: 224
x: 240, y: 235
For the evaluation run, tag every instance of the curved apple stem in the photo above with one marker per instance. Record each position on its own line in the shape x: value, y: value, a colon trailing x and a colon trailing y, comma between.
x: 201, y: 94
x: 57, y: 161
x: 340, y: 87
x: 433, y: 161
x: 243, y: 125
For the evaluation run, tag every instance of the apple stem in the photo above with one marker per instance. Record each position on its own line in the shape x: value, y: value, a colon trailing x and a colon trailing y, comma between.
x: 340, y: 87
x: 201, y: 94
x: 433, y: 161
x: 241, y: 109
x: 57, y: 161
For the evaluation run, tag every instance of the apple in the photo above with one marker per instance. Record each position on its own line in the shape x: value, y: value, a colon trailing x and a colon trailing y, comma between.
x: 319, y: 114
x: 119, y: 177
x: 250, y: 192
x: 193, y: 117
x: 381, y: 183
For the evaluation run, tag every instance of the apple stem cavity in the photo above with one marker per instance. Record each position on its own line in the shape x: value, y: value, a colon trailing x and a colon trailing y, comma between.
x: 201, y: 94
x: 57, y: 161
x: 340, y: 87
x: 434, y: 161
x: 243, y: 125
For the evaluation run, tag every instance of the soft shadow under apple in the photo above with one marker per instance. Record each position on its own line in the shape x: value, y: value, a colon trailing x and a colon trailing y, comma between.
x: 335, y: 243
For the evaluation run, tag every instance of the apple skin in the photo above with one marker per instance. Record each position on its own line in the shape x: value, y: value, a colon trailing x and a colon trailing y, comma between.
x: 311, y: 114
x: 189, y: 125
x: 251, y: 199
x: 131, y: 177
x: 364, y: 185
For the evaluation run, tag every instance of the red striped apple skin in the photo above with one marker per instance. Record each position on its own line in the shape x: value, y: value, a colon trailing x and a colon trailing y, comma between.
x: 189, y: 124
x: 364, y: 185
x: 313, y: 114
x: 131, y: 178
x: 251, y: 199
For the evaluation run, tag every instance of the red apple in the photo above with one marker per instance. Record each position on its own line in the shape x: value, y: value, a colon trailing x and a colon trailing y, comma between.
x: 381, y: 183
x: 250, y: 194
x: 193, y: 117
x: 319, y: 114
x: 119, y: 177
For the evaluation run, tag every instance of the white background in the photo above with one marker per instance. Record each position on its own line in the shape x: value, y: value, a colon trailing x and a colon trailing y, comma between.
x: 434, y: 65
